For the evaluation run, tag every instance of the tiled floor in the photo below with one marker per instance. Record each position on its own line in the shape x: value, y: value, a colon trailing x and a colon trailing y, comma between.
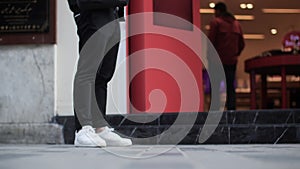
x: 281, y: 156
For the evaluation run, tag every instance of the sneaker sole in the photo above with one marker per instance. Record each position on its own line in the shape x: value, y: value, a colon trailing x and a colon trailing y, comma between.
x: 95, y: 145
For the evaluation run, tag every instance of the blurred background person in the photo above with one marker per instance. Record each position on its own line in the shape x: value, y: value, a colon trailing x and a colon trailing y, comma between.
x: 227, y: 38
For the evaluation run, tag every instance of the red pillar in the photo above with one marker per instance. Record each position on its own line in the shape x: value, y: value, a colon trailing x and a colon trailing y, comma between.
x: 154, y: 52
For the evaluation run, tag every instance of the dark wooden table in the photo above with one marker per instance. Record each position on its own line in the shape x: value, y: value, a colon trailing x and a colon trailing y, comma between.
x: 281, y: 65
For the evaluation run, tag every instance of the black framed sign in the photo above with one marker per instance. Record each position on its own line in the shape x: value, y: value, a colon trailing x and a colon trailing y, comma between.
x: 27, y: 21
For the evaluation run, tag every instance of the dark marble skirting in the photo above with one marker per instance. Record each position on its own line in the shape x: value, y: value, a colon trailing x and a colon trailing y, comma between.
x: 235, y: 127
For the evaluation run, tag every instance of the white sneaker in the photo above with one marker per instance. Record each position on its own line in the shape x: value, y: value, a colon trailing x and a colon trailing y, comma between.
x: 113, y: 139
x: 87, y: 137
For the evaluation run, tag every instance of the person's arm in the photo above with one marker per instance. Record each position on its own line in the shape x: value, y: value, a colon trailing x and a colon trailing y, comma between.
x: 241, y: 42
x: 73, y: 6
x: 213, y: 31
x: 211, y: 57
x: 100, y: 4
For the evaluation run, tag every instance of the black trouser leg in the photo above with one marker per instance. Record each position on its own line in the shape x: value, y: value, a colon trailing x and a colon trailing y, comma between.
x: 103, y: 74
x: 230, y: 71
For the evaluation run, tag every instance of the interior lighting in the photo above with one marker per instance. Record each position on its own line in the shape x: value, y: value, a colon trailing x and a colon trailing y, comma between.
x: 207, y: 27
x: 246, y: 6
x: 273, y: 31
x: 207, y: 11
x: 243, y: 6
x: 283, y: 11
x: 250, y: 6
x: 212, y: 5
x: 244, y: 17
x: 254, y: 36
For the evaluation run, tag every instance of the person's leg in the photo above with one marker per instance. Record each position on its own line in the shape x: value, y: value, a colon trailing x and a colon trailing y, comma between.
x: 93, y: 45
x: 84, y: 33
x: 106, y: 69
x: 215, y: 93
x: 230, y: 71
x: 77, y: 123
x: 88, y: 115
x: 104, y: 75
x: 101, y: 49
x: 83, y: 36
x: 92, y: 54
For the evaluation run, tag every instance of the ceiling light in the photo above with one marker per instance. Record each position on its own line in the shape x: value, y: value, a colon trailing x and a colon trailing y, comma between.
x: 250, y: 6
x: 212, y: 5
x: 254, y: 36
x: 243, y: 6
x: 206, y: 11
x: 286, y: 11
x: 246, y: 6
x: 273, y: 31
x: 244, y: 17
x: 207, y: 27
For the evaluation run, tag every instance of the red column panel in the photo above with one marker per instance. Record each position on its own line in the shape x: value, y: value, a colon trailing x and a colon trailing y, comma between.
x: 150, y: 49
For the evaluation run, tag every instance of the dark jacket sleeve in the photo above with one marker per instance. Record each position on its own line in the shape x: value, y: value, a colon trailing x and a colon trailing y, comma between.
x: 241, y: 42
x: 97, y: 4
x: 213, y: 32
x: 73, y: 6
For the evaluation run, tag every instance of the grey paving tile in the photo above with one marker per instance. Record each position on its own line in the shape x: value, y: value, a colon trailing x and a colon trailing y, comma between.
x: 283, y: 156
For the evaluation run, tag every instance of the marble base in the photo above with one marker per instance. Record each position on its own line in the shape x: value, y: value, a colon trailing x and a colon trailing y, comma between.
x: 27, y: 95
x: 27, y: 83
x: 31, y: 133
x: 235, y: 127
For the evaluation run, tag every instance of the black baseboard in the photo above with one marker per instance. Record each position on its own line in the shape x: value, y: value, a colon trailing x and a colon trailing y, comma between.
x: 235, y: 127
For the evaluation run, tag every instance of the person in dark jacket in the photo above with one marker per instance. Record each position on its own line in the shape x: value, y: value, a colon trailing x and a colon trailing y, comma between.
x: 99, y: 35
x: 227, y: 37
